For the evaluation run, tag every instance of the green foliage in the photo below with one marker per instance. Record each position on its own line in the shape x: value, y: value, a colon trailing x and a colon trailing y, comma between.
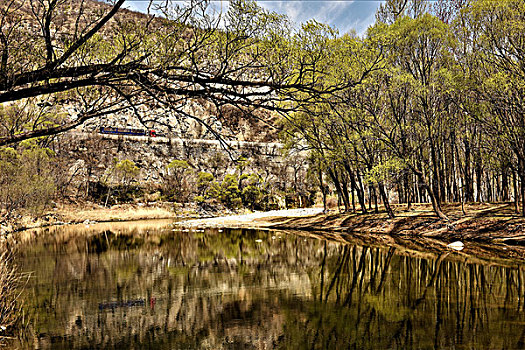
x: 427, y: 94
x: 255, y: 193
x: 384, y: 171
x: 242, y: 163
x: 178, y: 165
x: 226, y: 192
x: 126, y: 171
x: 204, y: 180
x: 118, y: 183
x: 26, y: 179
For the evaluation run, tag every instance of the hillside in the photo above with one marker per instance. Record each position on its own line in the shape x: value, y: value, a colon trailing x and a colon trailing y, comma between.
x: 109, y: 86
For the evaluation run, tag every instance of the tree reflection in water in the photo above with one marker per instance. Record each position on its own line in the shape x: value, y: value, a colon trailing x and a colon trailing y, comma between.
x: 157, y: 288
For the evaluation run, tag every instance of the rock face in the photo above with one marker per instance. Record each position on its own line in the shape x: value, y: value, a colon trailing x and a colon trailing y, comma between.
x: 229, y: 122
x: 94, y: 153
x: 250, y: 137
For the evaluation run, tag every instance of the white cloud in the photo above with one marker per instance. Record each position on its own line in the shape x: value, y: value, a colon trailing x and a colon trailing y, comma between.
x: 344, y: 15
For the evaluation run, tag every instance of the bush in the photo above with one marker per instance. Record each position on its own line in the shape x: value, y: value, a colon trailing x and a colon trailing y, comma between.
x: 204, y: 181
x: 252, y: 193
x: 255, y: 193
x: 227, y: 192
x: 26, y: 179
x: 177, y: 185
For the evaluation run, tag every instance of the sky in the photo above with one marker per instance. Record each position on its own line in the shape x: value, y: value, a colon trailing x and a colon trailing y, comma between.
x: 347, y: 15
x: 344, y: 15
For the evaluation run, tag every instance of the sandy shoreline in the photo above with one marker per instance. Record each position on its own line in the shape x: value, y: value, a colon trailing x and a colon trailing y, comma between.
x: 252, y: 220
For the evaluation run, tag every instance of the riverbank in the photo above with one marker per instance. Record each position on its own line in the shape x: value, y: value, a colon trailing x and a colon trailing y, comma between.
x: 486, y: 223
x: 89, y: 213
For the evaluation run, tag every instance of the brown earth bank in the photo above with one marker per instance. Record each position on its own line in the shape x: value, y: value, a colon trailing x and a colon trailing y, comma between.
x: 485, y: 222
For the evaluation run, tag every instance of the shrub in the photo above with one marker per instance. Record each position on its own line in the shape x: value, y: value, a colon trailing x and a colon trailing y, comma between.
x: 177, y: 184
x: 199, y: 199
x: 227, y: 192
x: 255, y: 193
x: 204, y: 181
x: 26, y: 179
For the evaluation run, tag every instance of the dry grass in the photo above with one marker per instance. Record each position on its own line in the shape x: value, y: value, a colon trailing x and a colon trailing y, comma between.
x: 81, y: 212
x: 115, y: 213
x: 12, y: 283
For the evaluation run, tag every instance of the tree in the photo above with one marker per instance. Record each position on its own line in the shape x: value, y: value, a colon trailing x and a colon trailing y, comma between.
x: 204, y: 180
x: 499, y: 49
x: 85, y: 60
x: 226, y: 192
x: 176, y: 181
x: 125, y: 172
x: 316, y: 122
x: 26, y: 179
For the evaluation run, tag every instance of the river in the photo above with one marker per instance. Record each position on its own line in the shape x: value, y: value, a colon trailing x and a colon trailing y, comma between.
x: 153, y: 285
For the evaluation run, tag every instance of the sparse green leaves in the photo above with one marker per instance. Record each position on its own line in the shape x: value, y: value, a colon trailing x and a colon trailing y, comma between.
x: 26, y: 180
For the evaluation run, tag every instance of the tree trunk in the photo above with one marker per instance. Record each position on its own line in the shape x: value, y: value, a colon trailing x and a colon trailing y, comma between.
x: 408, y: 192
x: 435, y: 203
x: 374, y: 193
x: 504, y: 183
x: 435, y: 172
x: 489, y: 189
x: 469, y: 188
x: 346, y: 194
x: 352, y: 188
x: 333, y: 175
x: 521, y: 170
x: 362, y: 192
x: 516, y: 192
x: 400, y: 192
x: 386, y: 203
x: 479, y: 179
x: 357, y: 187
x: 107, y: 197
x: 322, y: 187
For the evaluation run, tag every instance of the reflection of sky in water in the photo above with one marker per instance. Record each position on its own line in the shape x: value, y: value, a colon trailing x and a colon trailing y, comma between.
x: 242, y: 289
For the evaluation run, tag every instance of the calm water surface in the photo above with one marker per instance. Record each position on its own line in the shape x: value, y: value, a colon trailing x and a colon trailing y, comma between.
x: 134, y: 286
